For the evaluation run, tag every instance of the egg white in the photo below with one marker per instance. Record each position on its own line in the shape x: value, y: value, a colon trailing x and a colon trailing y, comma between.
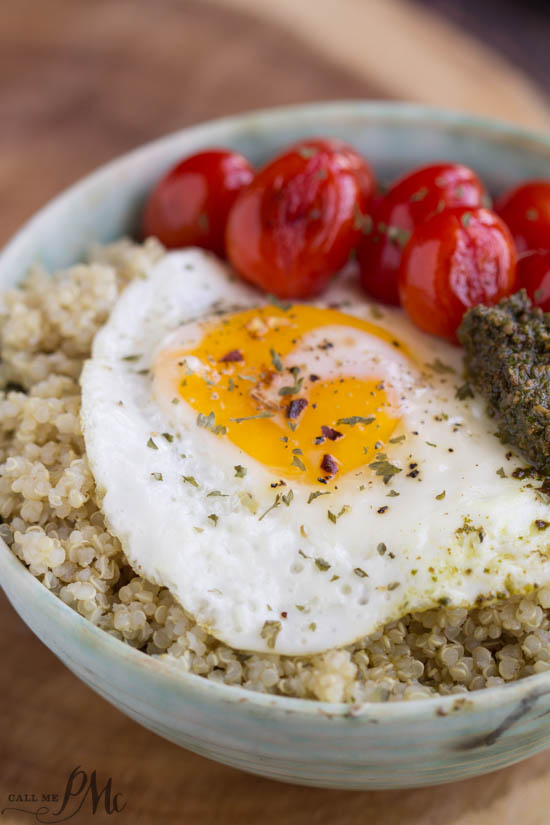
x: 451, y: 527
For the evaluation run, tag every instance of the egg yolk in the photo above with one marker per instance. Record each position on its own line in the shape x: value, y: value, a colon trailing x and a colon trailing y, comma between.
x: 287, y: 386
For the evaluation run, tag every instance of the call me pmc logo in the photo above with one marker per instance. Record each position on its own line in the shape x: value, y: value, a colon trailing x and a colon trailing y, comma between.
x: 81, y: 792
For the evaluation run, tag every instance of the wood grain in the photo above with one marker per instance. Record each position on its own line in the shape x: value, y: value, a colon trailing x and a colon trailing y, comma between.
x: 79, y: 83
x: 52, y: 723
x: 413, y: 53
x: 83, y: 82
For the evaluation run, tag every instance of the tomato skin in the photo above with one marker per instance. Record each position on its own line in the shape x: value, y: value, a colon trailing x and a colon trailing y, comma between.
x: 526, y: 210
x: 354, y: 160
x: 409, y: 202
x: 455, y: 260
x: 296, y: 224
x: 190, y: 204
x: 534, y: 276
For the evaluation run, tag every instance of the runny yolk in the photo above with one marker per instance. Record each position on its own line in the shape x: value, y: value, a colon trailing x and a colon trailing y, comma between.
x: 252, y: 379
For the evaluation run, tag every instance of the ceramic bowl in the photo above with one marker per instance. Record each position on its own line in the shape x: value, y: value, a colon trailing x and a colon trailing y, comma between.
x: 392, y: 745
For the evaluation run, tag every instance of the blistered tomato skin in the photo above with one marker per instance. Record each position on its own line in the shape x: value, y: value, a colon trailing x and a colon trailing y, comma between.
x: 409, y: 202
x: 190, y: 204
x: 347, y: 155
x: 534, y: 276
x: 455, y: 260
x: 298, y: 221
x: 526, y: 210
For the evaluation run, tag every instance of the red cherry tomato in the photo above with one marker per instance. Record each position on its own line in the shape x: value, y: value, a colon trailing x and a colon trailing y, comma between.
x: 408, y: 203
x: 455, y: 260
x: 296, y: 224
x: 526, y: 210
x: 376, y: 202
x: 190, y: 204
x: 534, y: 276
x: 363, y: 170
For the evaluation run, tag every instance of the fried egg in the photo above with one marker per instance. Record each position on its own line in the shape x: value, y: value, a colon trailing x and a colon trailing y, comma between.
x: 299, y: 475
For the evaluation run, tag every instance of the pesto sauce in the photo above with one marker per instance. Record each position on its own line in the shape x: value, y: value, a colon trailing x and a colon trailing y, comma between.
x: 507, y: 359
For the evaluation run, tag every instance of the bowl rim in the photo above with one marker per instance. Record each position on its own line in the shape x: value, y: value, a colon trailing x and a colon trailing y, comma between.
x: 403, y: 111
x: 159, y: 670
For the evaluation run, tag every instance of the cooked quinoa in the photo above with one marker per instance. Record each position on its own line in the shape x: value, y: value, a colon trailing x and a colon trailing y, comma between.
x: 51, y: 520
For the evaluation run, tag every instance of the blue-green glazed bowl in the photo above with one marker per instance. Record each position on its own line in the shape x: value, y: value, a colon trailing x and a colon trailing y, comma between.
x: 393, y: 745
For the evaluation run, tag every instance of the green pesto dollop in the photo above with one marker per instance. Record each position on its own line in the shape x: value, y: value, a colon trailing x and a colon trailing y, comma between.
x: 507, y: 358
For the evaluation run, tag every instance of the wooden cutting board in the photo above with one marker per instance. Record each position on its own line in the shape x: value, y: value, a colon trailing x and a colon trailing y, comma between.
x: 81, y: 82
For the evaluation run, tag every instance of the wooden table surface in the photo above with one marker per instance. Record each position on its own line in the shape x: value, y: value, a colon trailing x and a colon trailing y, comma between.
x: 81, y: 82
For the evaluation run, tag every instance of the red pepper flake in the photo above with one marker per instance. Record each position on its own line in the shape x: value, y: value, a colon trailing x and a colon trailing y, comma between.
x: 314, y: 378
x: 329, y: 464
x: 295, y: 407
x: 232, y: 355
x: 382, y: 509
x: 330, y: 433
x: 284, y: 614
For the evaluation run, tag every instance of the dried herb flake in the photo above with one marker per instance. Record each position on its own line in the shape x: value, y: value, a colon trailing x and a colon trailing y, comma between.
x: 286, y: 499
x: 356, y: 419
x: 384, y: 468
x: 316, y: 494
x: 275, y: 504
x: 297, y: 462
x: 270, y: 631
x: 264, y: 414
x: 276, y: 360
x: 209, y: 423
x: 440, y: 367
